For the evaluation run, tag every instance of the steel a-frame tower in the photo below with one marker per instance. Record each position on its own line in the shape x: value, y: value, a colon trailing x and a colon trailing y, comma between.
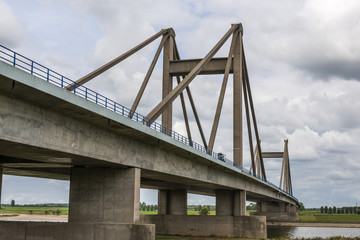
x: 185, y: 71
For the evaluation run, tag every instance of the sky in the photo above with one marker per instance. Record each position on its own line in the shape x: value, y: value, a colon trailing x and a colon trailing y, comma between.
x: 303, y: 60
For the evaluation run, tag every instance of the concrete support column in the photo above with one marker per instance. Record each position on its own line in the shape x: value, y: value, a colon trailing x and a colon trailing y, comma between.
x: 104, y: 195
x: 177, y: 202
x: 162, y: 202
x: 224, y: 203
x: 172, y: 202
x: 1, y: 178
x: 239, y: 203
x: 230, y: 203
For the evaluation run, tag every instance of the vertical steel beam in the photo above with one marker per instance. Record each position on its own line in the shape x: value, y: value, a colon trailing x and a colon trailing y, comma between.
x: 237, y: 102
x: 167, y: 83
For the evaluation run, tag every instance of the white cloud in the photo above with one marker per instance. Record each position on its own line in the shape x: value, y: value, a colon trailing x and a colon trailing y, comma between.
x: 13, y: 32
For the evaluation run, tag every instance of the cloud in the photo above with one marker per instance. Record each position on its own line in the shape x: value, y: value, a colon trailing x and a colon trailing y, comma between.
x: 9, y: 23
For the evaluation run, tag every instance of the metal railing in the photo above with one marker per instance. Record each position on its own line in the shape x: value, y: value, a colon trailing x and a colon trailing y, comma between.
x: 19, y: 61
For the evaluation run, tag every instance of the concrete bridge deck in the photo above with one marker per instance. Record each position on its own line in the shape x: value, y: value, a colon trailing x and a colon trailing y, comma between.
x: 47, y: 131
x: 51, y: 130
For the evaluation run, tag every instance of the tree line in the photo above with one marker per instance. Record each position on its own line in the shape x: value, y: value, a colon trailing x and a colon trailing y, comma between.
x: 343, y: 210
x: 148, y: 208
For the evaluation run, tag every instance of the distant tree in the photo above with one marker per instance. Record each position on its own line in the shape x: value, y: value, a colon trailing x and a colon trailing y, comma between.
x: 330, y: 210
x: 155, y: 207
x: 354, y: 210
x: 58, y: 211
x: 199, y: 207
x: 31, y: 212
x: 351, y: 210
x: 13, y: 203
x: 338, y: 211
x: 302, y: 207
x: 143, y: 206
x: 151, y: 207
x: 342, y: 210
x: 148, y: 208
x: 334, y: 209
x: 322, y: 209
x: 204, y: 211
x: 326, y: 209
x: 346, y: 210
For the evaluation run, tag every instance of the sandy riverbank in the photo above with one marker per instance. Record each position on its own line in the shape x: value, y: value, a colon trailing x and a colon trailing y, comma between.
x: 314, y: 224
x: 62, y: 218
x: 33, y: 217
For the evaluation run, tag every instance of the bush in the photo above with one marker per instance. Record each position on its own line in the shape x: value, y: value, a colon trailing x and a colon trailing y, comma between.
x: 204, y: 211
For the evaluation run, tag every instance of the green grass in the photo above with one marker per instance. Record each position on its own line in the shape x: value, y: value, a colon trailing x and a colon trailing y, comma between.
x: 316, y: 216
x: 35, y: 210
x: 148, y: 212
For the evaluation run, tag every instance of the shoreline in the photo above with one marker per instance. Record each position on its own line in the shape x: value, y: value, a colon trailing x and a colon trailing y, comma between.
x: 314, y: 224
x: 33, y: 217
x: 64, y: 218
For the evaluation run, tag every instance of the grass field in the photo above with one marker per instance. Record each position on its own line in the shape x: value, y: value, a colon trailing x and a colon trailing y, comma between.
x: 316, y: 216
x: 36, y: 210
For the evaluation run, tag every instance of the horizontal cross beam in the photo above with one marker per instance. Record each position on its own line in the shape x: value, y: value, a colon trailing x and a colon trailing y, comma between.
x: 184, y: 67
x: 273, y: 154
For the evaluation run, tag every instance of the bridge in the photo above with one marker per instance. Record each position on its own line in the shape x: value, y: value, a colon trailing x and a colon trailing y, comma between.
x: 53, y: 127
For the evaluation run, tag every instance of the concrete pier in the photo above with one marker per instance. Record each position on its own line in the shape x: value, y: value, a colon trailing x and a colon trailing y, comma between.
x: 230, y: 203
x: 172, y: 202
x: 276, y: 211
x: 205, y: 226
x: 102, y: 195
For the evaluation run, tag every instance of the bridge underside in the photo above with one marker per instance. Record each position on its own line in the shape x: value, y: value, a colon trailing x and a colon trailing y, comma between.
x: 43, y: 163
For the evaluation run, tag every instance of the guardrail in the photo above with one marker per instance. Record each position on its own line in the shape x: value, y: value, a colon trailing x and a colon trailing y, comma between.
x: 19, y: 61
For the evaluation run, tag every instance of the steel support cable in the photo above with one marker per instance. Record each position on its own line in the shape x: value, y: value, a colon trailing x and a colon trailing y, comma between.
x: 197, y: 119
x: 155, y: 113
x: 253, y: 116
x: 148, y: 75
x: 248, y: 122
x: 222, y: 93
x: 115, y: 61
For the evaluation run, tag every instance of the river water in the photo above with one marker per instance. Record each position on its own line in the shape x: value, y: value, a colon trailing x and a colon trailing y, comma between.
x: 311, y: 232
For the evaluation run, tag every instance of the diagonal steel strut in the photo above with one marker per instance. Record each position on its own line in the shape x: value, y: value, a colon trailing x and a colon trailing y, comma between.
x: 115, y: 61
x: 155, y: 113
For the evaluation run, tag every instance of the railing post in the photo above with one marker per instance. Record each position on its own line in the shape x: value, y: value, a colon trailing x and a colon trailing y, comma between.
x: 114, y: 106
x: 74, y: 87
x: 62, y: 79
x: 14, y: 59
x: 86, y: 93
x: 47, y: 76
x: 32, y: 67
x: 96, y: 98
x: 105, y: 102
